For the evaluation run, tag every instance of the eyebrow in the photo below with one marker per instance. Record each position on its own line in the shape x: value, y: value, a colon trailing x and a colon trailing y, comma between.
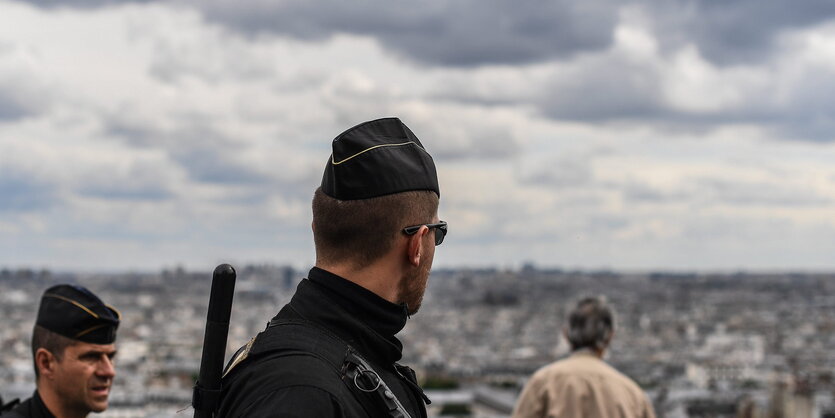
x: 98, y: 353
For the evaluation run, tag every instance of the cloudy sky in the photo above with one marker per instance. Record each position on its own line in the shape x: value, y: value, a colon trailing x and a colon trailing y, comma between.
x: 638, y: 134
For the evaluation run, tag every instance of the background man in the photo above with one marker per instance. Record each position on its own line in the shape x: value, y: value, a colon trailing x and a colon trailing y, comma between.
x: 583, y: 385
x: 73, y: 349
x: 332, y: 351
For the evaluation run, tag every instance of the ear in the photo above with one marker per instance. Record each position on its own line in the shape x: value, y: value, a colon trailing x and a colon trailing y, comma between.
x: 414, y: 246
x: 45, y: 362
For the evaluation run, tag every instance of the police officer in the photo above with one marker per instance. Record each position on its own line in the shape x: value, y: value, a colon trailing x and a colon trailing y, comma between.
x: 332, y: 351
x: 73, y: 349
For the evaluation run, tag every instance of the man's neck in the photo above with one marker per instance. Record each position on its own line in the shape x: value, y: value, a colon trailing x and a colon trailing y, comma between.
x: 53, y: 403
x: 594, y: 352
x: 376, y: 278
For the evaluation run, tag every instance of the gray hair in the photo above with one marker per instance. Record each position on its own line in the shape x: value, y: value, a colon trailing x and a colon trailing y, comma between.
x: 590, y: 324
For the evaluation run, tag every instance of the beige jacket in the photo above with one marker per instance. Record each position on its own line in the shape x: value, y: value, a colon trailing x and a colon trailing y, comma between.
x: 582, y: 386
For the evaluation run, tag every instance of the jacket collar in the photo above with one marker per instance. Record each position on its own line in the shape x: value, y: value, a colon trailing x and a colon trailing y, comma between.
x: 360, y: 317
x: 39, y: 409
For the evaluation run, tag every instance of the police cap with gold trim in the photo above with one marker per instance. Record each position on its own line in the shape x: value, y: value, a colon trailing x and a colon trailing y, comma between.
x: 78, y: 314
x: 378, y: 158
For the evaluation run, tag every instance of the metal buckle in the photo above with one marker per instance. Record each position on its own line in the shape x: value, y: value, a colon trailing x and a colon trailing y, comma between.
x: 370, y: 372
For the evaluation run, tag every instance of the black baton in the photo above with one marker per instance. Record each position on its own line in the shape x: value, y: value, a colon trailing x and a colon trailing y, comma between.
x: 206, y: 396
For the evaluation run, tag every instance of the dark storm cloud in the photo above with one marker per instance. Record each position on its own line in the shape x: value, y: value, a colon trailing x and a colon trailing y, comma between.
x: 446, y: 32
x: 80, y: 3
x: 600, y: 88
x: 736, y: 31
x: 475, y: 32
x: 623, y: 90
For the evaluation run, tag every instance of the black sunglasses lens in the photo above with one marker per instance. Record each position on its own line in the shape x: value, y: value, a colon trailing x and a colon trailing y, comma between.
x: 439, y: 236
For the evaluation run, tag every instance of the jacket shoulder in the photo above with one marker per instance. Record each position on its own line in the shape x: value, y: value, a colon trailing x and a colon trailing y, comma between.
x: 287, y: 368
x: 285, y: 384
x: 22, y: 410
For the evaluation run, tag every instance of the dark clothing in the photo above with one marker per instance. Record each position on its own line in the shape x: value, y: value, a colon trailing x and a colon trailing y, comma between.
x: 30, y: 408
x: 304, y: 382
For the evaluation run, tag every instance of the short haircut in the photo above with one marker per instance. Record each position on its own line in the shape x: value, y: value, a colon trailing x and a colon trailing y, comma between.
x: 50, y: 341
x: 362, y: 231
x: 590, y: 324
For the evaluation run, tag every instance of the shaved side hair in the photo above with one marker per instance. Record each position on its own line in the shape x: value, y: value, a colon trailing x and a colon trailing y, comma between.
x: 50, y: 341
x: 362, y: 231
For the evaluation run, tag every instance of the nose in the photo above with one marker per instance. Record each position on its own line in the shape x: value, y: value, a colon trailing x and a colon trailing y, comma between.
x: 106, y: 369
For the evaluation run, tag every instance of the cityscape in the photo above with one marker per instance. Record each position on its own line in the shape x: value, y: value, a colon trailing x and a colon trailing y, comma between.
x: 674, y: 158
x: 744, y: 344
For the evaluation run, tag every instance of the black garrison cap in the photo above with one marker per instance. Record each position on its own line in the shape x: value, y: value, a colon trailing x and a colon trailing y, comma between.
x: 378, y: 158
x: 76, y: 313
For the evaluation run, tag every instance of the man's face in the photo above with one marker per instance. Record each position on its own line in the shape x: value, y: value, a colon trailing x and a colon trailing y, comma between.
x: 83, y: 376
x: 413, y: 285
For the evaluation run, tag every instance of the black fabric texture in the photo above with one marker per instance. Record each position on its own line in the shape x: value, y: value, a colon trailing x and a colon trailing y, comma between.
x: 30, y: 408
x: 6, y: 407
x: 76, y: 313
x: 277, y: 381
x: 382, y: 318
x: 378, y: 158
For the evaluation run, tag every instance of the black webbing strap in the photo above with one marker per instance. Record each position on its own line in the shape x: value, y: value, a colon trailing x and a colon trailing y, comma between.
x: 357, y: 374
x: 365, y: 379
x: 6, y: 409
x: 205, y: 399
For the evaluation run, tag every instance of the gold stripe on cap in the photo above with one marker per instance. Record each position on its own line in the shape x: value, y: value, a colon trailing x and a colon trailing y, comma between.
x: 369, y: 149
x: 118, y: 314
x: 89, y: 330
x: 66, y: 299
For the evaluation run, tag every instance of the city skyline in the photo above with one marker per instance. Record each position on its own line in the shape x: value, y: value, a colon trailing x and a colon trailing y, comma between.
x: 695, y: 343
x: 638, y: 135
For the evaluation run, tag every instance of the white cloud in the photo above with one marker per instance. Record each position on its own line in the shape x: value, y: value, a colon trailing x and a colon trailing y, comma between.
x: 145, y: 135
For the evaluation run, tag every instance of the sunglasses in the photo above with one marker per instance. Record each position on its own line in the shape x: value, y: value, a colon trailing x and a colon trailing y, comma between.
x: 440, y: 230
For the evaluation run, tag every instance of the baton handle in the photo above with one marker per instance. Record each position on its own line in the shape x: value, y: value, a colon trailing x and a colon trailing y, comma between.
x: 207, y: 389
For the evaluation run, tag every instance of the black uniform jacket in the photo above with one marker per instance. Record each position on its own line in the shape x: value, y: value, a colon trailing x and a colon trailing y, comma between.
x: 307, y: 386
x: 30, y: 408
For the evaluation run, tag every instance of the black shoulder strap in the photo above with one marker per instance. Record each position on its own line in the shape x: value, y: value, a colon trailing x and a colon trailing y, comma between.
x: 356, y: 372
x: 365, y: 379
x: 299, y: 337
x: 6, y: 410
